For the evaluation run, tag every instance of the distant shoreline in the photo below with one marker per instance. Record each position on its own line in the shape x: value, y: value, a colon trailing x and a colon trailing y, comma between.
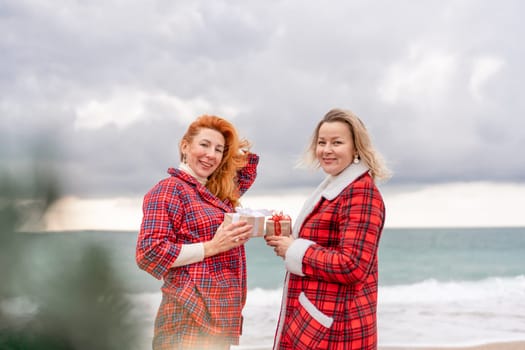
x: 392, y: 228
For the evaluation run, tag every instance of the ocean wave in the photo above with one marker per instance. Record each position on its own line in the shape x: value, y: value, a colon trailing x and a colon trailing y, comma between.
x: 428, y: 313
x: 434, y: 291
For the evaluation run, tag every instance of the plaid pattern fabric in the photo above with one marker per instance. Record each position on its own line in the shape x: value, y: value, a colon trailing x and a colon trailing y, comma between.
x: 175, y: 329
x: 340, y: 273
x: 208, y: 296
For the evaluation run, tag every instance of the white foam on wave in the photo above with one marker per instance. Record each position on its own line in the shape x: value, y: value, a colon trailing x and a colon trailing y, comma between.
x: 461, y: 313
x: 429, y: 313
x: 261, y: 314
x: 433, y: 291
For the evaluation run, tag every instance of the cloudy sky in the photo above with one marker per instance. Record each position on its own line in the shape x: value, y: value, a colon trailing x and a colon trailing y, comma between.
x: 113, y: 84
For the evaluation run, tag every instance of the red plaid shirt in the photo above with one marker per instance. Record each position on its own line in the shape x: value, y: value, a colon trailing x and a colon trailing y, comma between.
x: 179, y: 210
x: 340, y: 274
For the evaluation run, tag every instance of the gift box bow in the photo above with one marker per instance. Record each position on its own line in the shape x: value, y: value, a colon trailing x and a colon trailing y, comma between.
x: 277, y: 218
x: 248, y: 212
x: 252, y: 212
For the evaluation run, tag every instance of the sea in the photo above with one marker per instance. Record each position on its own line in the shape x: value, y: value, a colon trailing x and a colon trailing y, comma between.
x: 437, y: 286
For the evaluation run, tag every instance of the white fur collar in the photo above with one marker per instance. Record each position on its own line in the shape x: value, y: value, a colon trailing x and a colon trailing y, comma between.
x: 329, y: 188
x: 335, y: 184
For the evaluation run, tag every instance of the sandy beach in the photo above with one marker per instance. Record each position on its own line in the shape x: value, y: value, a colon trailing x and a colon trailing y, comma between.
x: 519, y: 345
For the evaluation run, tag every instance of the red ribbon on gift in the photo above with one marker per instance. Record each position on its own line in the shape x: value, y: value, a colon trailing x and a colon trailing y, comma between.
x: 277, y: 217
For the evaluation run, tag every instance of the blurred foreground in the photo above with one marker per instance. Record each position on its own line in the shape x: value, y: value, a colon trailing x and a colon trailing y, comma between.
x: 70, y: 300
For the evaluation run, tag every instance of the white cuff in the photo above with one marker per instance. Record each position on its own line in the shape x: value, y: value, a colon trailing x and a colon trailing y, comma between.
x: 189, y: 254
x: 295, y: 254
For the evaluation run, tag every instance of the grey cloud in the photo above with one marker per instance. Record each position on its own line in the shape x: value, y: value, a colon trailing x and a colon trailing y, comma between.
x: 280, y: 66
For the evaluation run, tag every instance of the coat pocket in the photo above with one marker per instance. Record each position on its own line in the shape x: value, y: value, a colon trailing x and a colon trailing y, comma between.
x: 308, y: 326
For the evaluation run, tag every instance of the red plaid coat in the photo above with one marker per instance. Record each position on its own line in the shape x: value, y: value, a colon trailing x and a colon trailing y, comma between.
x: 200, y: 299
x: 331, y: 287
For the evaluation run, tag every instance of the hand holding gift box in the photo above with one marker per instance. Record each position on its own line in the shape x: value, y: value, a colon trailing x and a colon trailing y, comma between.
x: 256, y: 218
x: 279, y: 225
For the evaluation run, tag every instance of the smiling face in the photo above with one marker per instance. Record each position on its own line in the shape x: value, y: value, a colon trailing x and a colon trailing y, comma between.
x: 205, y: 151
x: 335, y: 148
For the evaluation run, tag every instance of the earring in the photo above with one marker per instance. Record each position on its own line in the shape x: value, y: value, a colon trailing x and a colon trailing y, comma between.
x: 356, y: 159
x: 184, y: 158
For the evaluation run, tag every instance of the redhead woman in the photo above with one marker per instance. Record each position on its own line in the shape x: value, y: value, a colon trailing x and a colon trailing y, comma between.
x: 183, y: 242
x: 330, y: 295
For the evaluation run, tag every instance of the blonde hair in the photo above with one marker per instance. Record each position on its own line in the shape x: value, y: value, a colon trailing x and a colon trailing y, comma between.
x: 362, y: 143
x: 222, y: 182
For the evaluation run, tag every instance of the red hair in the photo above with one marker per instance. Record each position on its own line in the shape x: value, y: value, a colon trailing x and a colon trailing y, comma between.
x: 222, y: 183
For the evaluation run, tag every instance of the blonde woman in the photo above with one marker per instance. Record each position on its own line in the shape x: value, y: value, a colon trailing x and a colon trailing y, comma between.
x: 330, y: 295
